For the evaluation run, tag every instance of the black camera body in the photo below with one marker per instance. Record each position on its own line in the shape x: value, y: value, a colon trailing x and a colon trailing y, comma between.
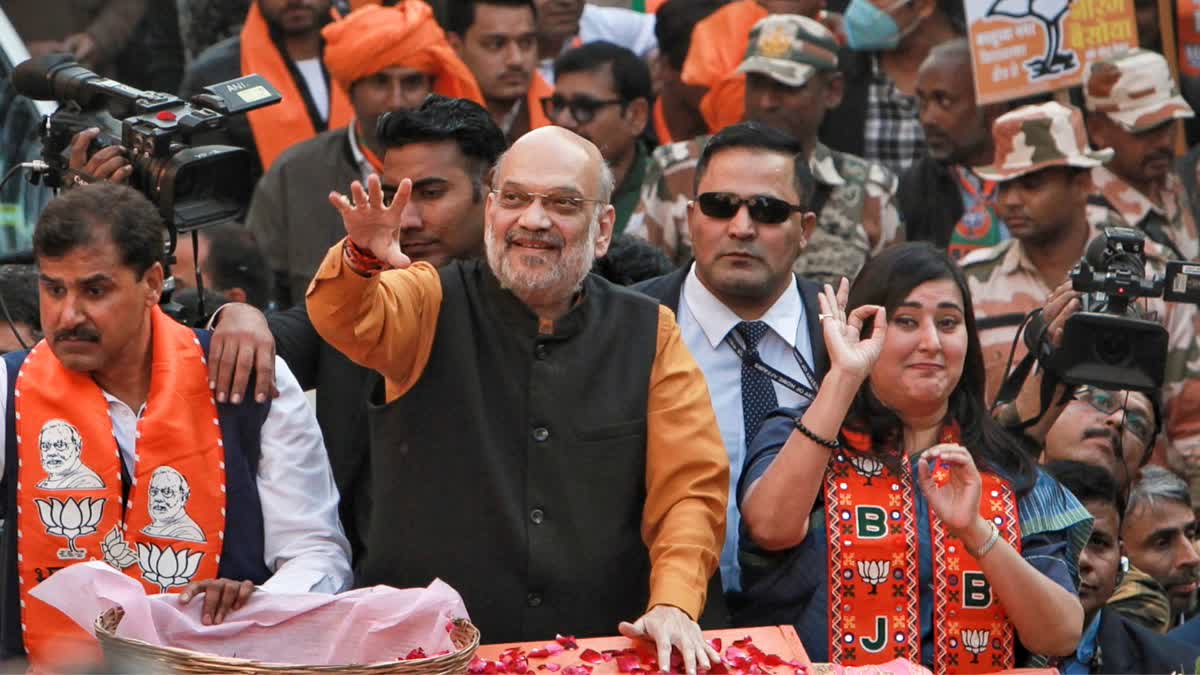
x: 1108, y: 343
x: 192, y: 185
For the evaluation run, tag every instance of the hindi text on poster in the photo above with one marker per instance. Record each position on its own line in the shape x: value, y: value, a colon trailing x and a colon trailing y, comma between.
x: 1021, y: 48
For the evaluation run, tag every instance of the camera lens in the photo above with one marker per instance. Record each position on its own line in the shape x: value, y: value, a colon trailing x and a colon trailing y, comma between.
x: 1112, y: 348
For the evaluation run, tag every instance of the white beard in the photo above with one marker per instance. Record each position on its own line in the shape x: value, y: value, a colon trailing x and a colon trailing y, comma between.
x: 543, y: 283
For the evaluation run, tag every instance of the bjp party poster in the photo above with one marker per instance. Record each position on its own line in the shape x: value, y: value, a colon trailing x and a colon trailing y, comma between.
x: 1022, y: 48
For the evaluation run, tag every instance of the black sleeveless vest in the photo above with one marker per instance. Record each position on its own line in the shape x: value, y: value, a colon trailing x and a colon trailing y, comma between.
x: 515, y: 468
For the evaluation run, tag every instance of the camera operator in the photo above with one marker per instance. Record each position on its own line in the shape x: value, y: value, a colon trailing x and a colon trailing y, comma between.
x: 1044, y: 203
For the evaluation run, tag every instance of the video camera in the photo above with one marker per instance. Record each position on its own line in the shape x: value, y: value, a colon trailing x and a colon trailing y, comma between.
x: 192, y: 185
x: 1109, y: 343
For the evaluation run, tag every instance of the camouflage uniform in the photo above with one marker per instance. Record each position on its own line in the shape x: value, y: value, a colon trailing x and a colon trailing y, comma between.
x: 857, y: 220
x: 1116, y: 200
x: 857, y: 215
x: 1140, y: 598
x: 1005, y: 285
x: 1135, y: 90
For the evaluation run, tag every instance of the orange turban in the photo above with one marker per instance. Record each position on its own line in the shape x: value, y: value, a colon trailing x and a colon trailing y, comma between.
x: 372, y: 38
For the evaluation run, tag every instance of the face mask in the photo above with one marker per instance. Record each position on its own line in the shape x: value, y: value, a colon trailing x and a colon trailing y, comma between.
x: 871, y: 29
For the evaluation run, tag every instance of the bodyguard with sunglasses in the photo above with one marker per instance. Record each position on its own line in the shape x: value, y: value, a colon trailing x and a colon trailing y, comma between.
x: 747, y: 318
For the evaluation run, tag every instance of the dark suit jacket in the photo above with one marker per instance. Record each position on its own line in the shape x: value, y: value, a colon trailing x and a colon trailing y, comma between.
x: 1127, y: 647
x: 667, y: 290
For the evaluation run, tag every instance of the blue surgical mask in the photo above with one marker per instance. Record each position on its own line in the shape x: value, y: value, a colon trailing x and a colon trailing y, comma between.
x: 869, y: 28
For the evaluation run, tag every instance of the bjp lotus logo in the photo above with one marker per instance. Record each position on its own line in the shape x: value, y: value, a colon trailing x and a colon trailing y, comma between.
x: 975, y: 642
x: 166, y: 566
x: 116, y: 551
x: 71, y: 519
x: 869, y: 467
x: 874, y: 572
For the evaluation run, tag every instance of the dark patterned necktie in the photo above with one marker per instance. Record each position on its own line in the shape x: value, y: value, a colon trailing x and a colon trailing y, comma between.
x: 758, y: 393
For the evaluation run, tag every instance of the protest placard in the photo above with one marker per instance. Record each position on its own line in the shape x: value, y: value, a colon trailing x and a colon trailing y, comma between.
x: 1021, y: 48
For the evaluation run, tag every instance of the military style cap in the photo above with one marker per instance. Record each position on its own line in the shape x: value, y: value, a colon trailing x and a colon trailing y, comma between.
x: 1135, y: 89
x: 790, y: 48
x: 1037, y: 137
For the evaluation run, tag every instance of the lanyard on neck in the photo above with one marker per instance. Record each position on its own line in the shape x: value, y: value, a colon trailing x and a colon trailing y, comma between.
x: 809, y: 391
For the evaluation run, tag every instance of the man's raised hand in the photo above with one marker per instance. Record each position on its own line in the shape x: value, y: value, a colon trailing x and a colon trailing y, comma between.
x: 370, y: 224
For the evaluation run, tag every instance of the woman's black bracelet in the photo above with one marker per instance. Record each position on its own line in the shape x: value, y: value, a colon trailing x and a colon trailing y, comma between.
x: 824, y: 442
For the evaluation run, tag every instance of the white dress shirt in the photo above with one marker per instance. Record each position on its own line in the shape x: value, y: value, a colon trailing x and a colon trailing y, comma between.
x: 704, y: 322
x: 303, y: 542
x: 618, y: 25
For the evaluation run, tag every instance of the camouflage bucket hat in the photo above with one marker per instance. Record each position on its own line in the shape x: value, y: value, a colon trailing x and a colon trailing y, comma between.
x: 1135, y: 89
x: 790, y: 48
x: 1037, y: 137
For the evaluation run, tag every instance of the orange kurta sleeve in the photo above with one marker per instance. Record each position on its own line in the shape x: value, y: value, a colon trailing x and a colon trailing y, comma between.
x: 687, y: 477
x: 384, y: 322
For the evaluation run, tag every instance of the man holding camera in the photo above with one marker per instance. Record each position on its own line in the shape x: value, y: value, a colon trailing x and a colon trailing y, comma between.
x: 1043, y: 166
x: 115, y: 449
x: 1134, y: 107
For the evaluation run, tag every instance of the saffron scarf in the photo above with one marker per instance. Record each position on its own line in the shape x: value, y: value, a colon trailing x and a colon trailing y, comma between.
x: 167, y: 532
x: 874, y: 576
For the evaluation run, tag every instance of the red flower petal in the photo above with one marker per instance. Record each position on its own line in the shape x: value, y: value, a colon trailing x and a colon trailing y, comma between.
x: 626, y: 663
x: 417, y: 653
x: 715, y: 643
x: 567, y: 641
x: 540, y: 653
x: 476, y: 665
x: 449, y: 626
x: 718, y: 668
x: 591, y: 656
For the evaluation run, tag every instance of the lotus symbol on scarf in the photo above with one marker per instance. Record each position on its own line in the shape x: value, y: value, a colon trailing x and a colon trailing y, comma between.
x: 976, y: 642
x: 71, y: 519
x: 867, y: 466
x: 116, y: 551
x: 874, y: 572
x: 166, y: 566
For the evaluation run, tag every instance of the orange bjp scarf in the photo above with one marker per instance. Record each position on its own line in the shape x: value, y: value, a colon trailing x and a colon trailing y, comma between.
x: 169, y: 531
x: 278, y: 127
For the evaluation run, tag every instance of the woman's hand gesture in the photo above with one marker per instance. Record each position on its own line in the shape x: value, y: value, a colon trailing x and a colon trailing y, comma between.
x: 848, y: 352
x: 370, y: 224
x: 956, y: 501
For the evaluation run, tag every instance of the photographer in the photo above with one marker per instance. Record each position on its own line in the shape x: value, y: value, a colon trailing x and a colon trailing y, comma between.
x: 1044, y: 204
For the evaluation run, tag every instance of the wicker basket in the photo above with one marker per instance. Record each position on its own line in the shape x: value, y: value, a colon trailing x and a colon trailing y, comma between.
x: 137, y: 656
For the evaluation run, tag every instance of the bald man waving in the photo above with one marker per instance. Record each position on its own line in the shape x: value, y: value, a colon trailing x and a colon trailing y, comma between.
x: 548, y: 446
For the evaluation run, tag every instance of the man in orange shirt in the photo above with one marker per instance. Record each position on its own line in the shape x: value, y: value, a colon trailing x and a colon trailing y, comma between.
x: 548, y: 447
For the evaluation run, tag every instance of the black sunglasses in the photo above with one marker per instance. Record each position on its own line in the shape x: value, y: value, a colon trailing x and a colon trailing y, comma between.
x: 762, y: 208
x: 582, y: 108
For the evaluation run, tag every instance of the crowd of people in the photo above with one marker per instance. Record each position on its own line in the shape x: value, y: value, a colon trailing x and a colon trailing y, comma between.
x: 717, y: 313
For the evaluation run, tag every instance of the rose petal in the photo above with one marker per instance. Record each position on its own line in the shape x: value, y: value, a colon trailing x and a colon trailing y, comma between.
x: 476, y: 665
x: 626, y: 663
x: 567, y: 641
x: 553, y: 667
x: 539, y: 653
x: 718, y: 668
x: 715, y: 643
x: 415, y: 654
x: 591, y: 656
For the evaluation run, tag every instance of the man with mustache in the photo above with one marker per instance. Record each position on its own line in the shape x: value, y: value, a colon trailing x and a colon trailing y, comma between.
x: 566, y: 24
x: 1160, y: 534
x: 740, y: 303
x: 1134, y: 107
x: 1043, y: 202
x: 603, y: 93
x: 792, y: 81
x: 497, y: 39
x: 940, y: 197
x: 133, y: 386
x: 384, y: 59
x: 551, y: 437
x: 280, y: 40
x: 1111, y: 643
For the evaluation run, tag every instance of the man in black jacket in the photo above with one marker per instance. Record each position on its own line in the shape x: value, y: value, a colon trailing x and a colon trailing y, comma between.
x: 739, y: 304
x: 1111, y: 643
